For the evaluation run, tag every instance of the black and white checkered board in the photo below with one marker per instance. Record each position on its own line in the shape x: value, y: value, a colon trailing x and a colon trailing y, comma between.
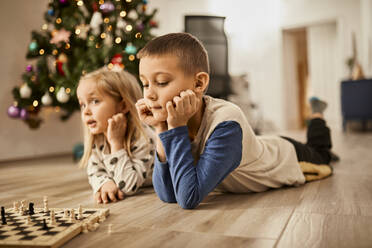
x: 17, y: 234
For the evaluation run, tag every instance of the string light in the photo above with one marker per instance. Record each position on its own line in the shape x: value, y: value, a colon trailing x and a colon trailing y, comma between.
x: 110, y: 66
x: 58, y: 20
x: 123, y: 13
x: 44, y: 27
x: 55, y: 52
x: 138, y: 35
x: 128, y: 1
x: 103, y: 35
x: 117, y: 40
x: 77, y: 31
x: 101, y: 2
x: 67, y: 46
x: 109, y: 28
x: 97, y: 45
x: 80, y: 3
x: 106, y: 20
x: 129, y: 28
x: 35, y: 103
x: 131, y: 57
x: 91, y: 38
x: 68, y: 90
x: 41, y: 51
x: 33, y: 78
x: 51, y: 89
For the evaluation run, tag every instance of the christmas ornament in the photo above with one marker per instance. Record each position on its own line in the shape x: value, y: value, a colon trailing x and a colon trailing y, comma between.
x: 117, y: 59
x: 13, y: 112
x: 133, y: 14
x: 63, y: 1
x: 51, y: 12
x: 140, y: 27
x: 23, y: 114
x: 25, y: 91
x: 108, y: 40
x: 130, y: 49
x: 60, y: 35
x: 29, y: 68
x: 62, y: 96
x: 107, y: 7
x: 46, y: 99
x: 95, y: 22
x: 153, y: 24
x: 32, y: 46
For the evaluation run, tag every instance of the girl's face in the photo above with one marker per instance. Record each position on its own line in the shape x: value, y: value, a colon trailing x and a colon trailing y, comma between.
x: 96, y: 106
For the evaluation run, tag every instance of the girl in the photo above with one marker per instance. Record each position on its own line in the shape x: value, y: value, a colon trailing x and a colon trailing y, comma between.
x: 118, y: 149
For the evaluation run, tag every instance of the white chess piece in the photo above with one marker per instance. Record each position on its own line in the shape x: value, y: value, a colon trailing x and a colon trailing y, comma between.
x: 80, y: 211
x: 22, y: 208
x: 28, y: 220
x: 109, y: 229
x: 65, y: 214
x: 16, y: 206
x: 46, y: 208
x: 85, y: 227
x: 72, y: 216
x: 52, y: 220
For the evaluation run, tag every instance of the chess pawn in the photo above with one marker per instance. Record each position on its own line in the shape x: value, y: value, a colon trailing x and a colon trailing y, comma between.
x: 65, y: 214
x: 52, y: 221
x: 28, y: 220
x: 109, y: 229
x: 72, y: 216
x: 16, y: 206
x: 46, y: 207
x: 80, y: 215
x: 22, y: 208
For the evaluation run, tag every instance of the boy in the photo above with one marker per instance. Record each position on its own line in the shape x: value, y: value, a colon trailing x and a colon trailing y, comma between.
x: 206, y: 144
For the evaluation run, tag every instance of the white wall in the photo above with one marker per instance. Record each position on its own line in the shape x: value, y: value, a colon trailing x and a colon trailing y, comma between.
x: 17, y: 19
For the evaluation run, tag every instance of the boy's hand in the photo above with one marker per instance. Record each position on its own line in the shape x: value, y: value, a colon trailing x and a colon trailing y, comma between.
x: 116, y: 129
x: 182, y: 108
x: 108, y: 192
x: 147, y: 117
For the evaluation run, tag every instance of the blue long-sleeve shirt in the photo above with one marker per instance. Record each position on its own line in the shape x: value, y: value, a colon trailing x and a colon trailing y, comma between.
x: 185, y: 181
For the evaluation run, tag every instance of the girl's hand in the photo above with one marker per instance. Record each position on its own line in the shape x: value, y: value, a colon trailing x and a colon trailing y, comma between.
x: 147, y: 117
x: 182, y: 108
x: 109, y: 192
x: 117, y: 127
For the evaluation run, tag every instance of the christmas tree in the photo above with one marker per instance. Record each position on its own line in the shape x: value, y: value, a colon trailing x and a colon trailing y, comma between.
x: 78, y: 36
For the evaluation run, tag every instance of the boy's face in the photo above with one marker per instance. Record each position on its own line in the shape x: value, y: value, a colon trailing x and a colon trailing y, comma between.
x: 162, y: 79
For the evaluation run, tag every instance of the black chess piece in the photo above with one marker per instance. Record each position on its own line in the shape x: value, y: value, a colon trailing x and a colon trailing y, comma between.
x: 45, y: 227
x: 31, y: 209
x: 3, y: 218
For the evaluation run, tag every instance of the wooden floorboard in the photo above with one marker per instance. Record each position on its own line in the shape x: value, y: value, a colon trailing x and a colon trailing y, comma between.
x: 335, y: 212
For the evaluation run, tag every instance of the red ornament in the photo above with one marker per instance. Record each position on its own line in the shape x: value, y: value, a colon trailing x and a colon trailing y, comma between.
x: 153, y: 24
x: 117, y: 59
x: 59, y: 68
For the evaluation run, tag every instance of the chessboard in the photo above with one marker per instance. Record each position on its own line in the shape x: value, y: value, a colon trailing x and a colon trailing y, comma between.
x: 18, y: 233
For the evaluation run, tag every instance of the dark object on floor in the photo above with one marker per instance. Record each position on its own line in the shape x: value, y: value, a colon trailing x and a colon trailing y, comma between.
x: 334, y: 157
x: 78, y: 151
x: 3, y: 218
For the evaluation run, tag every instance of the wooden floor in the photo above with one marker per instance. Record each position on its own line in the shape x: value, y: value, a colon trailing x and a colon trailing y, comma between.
x: 335, y: 212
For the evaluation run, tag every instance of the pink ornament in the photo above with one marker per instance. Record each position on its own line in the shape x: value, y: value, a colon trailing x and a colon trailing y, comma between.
x: 29, y: 68
x: 107, y: 8
x: 23, y: 114
x: 63, y: 1
x: 140, y: 27
x: 13, y: 112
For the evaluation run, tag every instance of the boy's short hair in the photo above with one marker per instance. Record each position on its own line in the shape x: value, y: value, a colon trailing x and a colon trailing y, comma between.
x: 193, y: 57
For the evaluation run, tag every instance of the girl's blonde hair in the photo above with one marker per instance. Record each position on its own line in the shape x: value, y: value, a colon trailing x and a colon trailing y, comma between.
x: 121, y: 85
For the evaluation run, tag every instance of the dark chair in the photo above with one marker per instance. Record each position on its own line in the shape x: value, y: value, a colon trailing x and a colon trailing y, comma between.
x: 210, y: 31
x: 356, y: 101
